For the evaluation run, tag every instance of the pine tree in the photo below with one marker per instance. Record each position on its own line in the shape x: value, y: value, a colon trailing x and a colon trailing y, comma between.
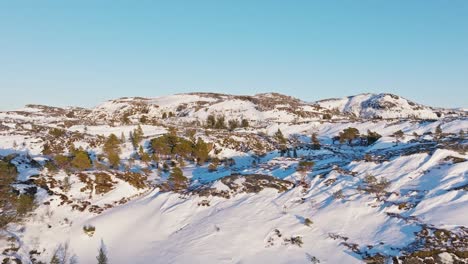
x: 112, y: 150
x: 349, y: 134
x: 303, y: 168
x: 372, y: 137
x: 143, y: 119
x: 144, y: 156
x: 233, y: 124
x: 438, y: 133
x: 201, y: 151
x: 55, y: 259
x: 72, y: 149
x: 244, y: 123
x: 281, y: 140
x: 81, y: 161
x: 46, y: 149
x: 137, y: 136
x: 210, y: 121
x: 220, y: 122
x: 102, y: 254
x: 315, y: 142
x: 177, y: 179
x: 398, y: 135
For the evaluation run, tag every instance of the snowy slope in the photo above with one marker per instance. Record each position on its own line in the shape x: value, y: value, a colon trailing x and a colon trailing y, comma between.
x: 259, y: 209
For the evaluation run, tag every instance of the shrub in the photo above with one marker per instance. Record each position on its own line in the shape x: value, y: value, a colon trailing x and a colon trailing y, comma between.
x: 244, y: 123
x: 233, y: 124
x: 25, y: 204
x: 56, y: 132
x: 103, y: 182
x: 338, y: 194
x: 295, y: 240
x: 89, y: 230
x: 372, y: 185
x: 372, y: 137
x: 398, y: 135
x: 81, y: 161
x: 308, y: 222
x: 212, y: 167
x: 62, y: 161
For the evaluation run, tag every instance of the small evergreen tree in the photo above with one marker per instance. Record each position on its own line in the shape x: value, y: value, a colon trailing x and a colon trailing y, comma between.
x: 372, y: 137
x: 398, y: 135
x: 315, y: 142
x: 244, y: 123
x: 144, y: 156
x: 102, y: 254
x: 112, y: 150
x: 201, y: 151
x: 46, y: 149
x: 303, y: 168
x: 177, y: 179
x: 233, y: 124
x: 210, y: 121
x: 55, y: 259
x: 438, y: 133
x: 281, y: 140
x: 220, y: 122
x: 81, y: 161
x: 137, y: 136
x: 143, y: 119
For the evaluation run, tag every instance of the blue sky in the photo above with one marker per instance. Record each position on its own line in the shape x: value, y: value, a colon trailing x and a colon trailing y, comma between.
x: 84, y: 52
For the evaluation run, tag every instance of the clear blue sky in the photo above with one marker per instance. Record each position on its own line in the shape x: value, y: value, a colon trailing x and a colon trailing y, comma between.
x: 84, y: 52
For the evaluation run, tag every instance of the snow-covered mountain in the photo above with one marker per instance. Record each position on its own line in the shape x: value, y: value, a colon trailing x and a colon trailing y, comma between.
x: 292, y: 185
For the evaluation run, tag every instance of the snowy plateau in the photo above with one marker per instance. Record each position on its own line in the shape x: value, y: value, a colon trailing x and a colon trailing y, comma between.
x: 217, y: 178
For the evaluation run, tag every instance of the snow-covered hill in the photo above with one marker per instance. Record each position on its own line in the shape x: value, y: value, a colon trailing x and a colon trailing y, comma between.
x: 401, y: 198
x: 383, y: 106
x: 263, y: 108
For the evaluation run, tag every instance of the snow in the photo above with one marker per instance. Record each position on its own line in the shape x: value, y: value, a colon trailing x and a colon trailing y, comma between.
x: 167, y: 227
